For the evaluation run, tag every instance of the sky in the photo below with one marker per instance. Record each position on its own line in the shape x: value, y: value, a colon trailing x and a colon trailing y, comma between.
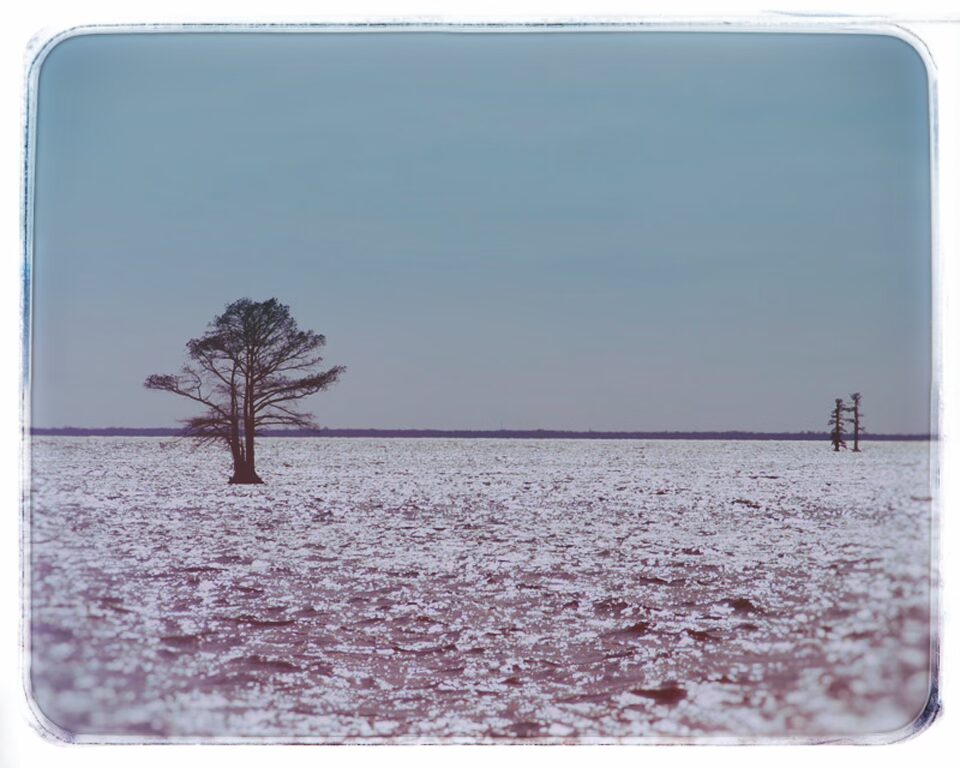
x: 556, y: 230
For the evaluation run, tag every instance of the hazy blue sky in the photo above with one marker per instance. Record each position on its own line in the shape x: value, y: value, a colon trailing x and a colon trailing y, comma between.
x: 604, y: 230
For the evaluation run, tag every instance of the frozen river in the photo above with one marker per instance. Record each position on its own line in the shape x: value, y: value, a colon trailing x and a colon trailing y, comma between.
x: 473, y: 590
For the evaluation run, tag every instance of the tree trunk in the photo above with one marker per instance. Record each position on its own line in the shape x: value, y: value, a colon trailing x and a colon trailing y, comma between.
x: 250, y: 463
x: 248, y: 474
x: 836, y: 436
x: 244, y: 472
x: 245, y: 475
x: 237, y: 463
x: 243, y: 469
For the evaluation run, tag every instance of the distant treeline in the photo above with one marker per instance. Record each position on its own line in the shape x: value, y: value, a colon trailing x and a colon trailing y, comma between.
x: 524, y: 434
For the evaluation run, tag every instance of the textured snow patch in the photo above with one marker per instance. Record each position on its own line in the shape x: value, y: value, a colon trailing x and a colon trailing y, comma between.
x: 481, y: 590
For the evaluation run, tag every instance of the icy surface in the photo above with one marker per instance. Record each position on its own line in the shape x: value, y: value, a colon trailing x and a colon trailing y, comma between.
x: 480, y: 589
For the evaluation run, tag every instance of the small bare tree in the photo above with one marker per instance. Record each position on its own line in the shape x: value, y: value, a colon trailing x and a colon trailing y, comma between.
x: 248, y: 371
x: 856, y: 420
x: 836, y: 422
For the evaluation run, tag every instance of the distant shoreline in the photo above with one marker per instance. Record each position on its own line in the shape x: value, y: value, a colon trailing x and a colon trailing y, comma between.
x: 514, y: 434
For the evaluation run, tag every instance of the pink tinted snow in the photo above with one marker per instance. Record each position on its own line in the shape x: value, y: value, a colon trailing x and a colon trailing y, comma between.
x: 480, y: 590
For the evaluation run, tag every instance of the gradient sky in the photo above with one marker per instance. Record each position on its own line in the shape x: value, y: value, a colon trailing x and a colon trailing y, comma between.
x: 552, y: 230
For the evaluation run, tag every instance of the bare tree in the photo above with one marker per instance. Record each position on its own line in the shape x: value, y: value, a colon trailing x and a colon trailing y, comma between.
x: 856, y: 419
x: 836, y: 422
x: 248, y: 371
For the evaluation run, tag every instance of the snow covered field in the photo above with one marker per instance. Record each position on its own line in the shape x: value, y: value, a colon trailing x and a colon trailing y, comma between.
x: 480, y: 589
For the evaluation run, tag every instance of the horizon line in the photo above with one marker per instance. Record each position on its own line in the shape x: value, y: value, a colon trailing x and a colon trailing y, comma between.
x: 503, y: 433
